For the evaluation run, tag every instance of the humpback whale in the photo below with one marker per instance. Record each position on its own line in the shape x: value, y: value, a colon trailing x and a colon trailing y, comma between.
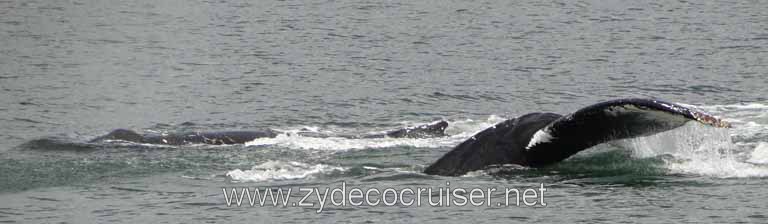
x: 541, y: 139
x: 435, y: 129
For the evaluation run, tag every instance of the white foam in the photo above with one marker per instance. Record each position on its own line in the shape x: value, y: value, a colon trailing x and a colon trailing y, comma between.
x: 129, y: 143
x: 476, y: 173
x: 280, y: 170
x: 339, y: 143
x: 457, y: 131
x: 718, y: 167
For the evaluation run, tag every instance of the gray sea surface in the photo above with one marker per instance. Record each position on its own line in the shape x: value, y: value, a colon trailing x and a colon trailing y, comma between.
x: 77, y: 69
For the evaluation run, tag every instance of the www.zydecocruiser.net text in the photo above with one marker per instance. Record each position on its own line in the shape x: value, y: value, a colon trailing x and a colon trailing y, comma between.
x: 343, y: 196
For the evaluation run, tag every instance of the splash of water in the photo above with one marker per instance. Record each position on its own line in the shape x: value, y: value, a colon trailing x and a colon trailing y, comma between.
x: 281, y: 170
x: 696, y: 149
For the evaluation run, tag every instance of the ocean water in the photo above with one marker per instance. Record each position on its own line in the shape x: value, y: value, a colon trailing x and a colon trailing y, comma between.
x: 73, y: 70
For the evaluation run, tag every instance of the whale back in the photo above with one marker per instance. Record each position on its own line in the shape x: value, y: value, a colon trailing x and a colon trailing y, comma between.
x: 210, y: 138
x: 436, y: 129
x: 502, y: 143
x: 120, y: 134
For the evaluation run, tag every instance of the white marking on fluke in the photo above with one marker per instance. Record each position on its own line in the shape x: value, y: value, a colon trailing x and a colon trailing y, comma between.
x: 541, y: 136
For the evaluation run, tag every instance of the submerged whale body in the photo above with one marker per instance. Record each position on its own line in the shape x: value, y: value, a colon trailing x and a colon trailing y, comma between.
x: 541, y: 139
x: 212, y: 138
x: 436, y: 129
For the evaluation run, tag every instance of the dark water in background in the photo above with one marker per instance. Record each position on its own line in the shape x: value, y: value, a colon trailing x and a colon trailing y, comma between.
x: 72, y: 70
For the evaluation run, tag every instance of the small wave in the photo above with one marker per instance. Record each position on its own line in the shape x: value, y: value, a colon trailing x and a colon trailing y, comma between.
x: 280, y: 170
x: 732, y: 107
x: 760, y: 154
x: 738, y: 113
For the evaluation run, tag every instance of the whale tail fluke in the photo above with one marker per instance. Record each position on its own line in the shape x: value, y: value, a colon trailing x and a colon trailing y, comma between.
x: 608, y: 121
x: 538, y: 139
